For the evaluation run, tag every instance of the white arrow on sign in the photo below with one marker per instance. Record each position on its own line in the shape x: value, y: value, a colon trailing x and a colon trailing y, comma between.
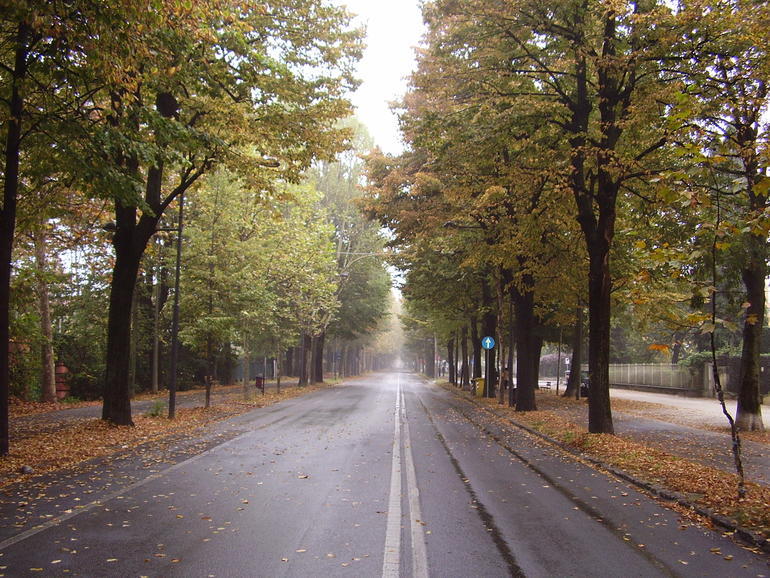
x: 488, y: 342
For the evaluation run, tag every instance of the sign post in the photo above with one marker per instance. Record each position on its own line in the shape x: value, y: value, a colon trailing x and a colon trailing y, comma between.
x: 487, y: 343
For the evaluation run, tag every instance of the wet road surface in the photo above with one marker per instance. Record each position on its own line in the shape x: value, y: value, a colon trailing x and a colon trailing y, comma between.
x: 384, y: 476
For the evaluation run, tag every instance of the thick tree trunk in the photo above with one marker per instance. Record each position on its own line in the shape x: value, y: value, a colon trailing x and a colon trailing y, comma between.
x: 450, y: 348
x: 430, y: 357
x: 595, y: 192
x: 524, y: 306
x: 116, y: 406
x: 47, y: 375
x: 8, y: 218
x: 749, y: 411
x: 599, y: 316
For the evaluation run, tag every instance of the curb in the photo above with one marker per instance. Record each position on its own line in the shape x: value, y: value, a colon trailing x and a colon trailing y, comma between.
x: 744, y: 534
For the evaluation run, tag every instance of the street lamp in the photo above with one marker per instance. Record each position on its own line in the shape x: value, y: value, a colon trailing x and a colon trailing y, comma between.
x: 175, y: 314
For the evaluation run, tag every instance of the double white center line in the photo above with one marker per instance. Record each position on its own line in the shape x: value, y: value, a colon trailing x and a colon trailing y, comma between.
x: 391, y: 566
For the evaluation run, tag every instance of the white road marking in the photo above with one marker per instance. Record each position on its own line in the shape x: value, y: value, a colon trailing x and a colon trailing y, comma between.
x: 419, y: 552
x: 392, y: 560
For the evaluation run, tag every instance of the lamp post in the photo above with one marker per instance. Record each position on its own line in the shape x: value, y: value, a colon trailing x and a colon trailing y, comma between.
x: 175, y: 315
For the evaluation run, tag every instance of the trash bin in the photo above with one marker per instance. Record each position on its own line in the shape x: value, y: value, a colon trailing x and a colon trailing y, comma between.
x: 478, y: 384
x: 259, y: 381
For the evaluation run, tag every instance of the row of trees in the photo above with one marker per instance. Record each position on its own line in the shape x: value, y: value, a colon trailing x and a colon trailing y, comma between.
x: 112, y: 114
x: 612, y: 155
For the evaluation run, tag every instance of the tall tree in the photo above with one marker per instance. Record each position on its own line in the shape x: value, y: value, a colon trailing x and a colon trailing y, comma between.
x: 218, y: 82
x: 726, y: 66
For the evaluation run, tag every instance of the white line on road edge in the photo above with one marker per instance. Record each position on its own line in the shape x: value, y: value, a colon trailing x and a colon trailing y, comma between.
x: 392, y: 560
x: 419, y: 553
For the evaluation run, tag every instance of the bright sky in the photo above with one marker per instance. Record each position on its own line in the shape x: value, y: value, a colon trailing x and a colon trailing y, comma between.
x: 393, y: 29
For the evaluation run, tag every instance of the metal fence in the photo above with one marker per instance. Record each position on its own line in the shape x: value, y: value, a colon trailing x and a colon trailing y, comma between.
x: 658, y: 375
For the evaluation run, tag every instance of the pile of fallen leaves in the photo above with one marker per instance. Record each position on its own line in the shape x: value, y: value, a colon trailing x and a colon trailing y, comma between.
x: 88, y: 438
x: 708, y: 487
x: 19, y: 407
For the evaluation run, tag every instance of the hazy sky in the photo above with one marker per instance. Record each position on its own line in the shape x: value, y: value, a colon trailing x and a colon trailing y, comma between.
x: 393, y: 29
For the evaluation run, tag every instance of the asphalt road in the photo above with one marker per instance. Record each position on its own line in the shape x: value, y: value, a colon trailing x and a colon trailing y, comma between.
x: 330, y: 484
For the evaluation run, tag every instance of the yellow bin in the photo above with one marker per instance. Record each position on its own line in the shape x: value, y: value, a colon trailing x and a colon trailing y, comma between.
x: 479, y: 381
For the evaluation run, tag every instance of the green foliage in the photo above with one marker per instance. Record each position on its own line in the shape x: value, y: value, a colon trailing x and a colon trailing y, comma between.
x: 158, y: 409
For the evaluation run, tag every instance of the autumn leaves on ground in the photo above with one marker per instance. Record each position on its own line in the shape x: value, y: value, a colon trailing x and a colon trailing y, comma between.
x: 704, y: 486
x: 59, y: 447
x: 710, y: 488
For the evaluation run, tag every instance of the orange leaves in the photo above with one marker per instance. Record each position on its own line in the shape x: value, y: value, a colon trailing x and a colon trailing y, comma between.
x: 662, y: 347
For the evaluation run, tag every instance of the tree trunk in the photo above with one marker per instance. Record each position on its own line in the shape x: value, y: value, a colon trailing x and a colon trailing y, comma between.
x: 524, y: 307
x: 573, y: 382
x: 595, y: 191
x: 430, y: 357
x: 599, y: 316
x: 117, y: 391
x: 306, y: 344
x: 450, y: 348
x: 47, y: 374
x: 464, y: 369
x: 749, y: 411
x: 311, y: 361
x: 476, y: 345
x: 8, y: 218
x: 318, y: 358
x: 130, y: 241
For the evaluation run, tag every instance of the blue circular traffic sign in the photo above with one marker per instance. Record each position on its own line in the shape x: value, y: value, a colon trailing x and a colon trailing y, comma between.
x: 488, y: 342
